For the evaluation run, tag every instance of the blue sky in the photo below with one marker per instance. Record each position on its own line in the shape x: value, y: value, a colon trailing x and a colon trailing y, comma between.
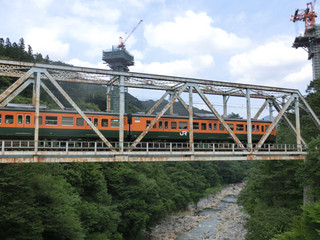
x: 235, y: 41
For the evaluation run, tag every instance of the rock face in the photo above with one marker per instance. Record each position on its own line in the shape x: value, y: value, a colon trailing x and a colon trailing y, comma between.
x: 231, y: 218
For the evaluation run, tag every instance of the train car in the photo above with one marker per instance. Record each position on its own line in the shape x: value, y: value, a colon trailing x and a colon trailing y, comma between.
x: 19, y: 123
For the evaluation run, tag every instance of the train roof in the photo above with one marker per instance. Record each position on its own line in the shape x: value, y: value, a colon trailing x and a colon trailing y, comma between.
x: 43, y: 109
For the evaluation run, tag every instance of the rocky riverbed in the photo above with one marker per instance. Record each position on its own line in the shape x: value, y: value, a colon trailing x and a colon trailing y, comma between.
x: 214, y: 217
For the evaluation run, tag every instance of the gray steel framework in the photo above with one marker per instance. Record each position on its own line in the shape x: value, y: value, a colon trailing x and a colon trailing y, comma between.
x: 279, y: 98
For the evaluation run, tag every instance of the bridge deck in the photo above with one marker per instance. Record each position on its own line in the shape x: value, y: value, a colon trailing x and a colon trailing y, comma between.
x: 16, y: 151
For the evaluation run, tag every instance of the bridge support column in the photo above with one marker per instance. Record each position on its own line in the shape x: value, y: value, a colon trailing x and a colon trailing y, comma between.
x: 225, y: 106
x: 297, y: 111
x: 270, y: 111
x: 249, y: 133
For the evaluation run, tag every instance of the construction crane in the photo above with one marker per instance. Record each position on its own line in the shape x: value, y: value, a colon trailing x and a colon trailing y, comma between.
x: 122, y: 42
x: 307, y: 15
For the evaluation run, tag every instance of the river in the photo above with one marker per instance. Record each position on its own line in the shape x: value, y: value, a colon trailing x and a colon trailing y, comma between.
x: 214, y: 217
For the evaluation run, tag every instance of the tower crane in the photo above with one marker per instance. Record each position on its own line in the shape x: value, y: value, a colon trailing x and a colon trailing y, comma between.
x: 122, y: 42
x: 307, y: 15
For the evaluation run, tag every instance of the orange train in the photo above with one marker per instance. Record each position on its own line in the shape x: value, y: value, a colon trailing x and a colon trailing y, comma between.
x: 18, y: 123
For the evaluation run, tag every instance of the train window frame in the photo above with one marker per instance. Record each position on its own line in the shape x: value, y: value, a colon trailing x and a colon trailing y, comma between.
x: 154, y: 126
x: 195, y: 125
x: 262, y: 128
x: 79, y: 122
x: 183, y: 125
x: 221, y: 127
x: 90, y: 121
x: 174, y: 125
x: 160, y: 124
x: 210, y: 126
x: 148, y: 122
x: 51, y: 122
x: 253, y: 128
x: 20, y: 119
x: 96, y: 122
x: 67, y: 121
x: 166, y: 125
x: 104, y: 122
x: 240, y: 127
x: 0, y: 118
x: 257, y: 128
x: 231, y: 126
x: 215, y: 126
x: 28, y: 120
x: 115, y: 122
x: 9, y: 120
x: 203, y: 126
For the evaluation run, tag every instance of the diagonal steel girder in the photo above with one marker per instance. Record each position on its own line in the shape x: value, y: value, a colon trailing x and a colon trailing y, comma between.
x: 274, y: 123
x: 74, y: 105
x: 221, y: 120
x: 56, y: 100
x: 310, y: 111
x: 169, y: 104
x: 260, y: 110
x: 16, y: 84
x: 158, y: 103
x: 16, y: 93
x: 290, y: 125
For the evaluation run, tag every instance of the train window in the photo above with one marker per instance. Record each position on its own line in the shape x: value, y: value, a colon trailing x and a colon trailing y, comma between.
x: 51, y: 120
x: 173, y: 125
x: 262, y: 128
x: 95, y: 122
x: 114, y: 122
x: 40, y: 120
x: 160, y: 124
x: 203, y: 126
x: 104, y: 122
x: 80, y: 121
x: 253, y: 128
x: 9, y: 119
x: 221, y: 127
x: 67, y: 121
x: 239, y: 127
x: 155, y: 125
x: 0, y: 118
x: 195, y: 125
x: 258, y: 128
x: 89, y: 120
x: 148, y: 123
x: 231, y: 126
x: 20, y: 119
x: 210, y: 126
x: 166, y: 125
x: 28, y: 119
x: 266, y: 128
x: 215, y: 126
x: 183, y: 125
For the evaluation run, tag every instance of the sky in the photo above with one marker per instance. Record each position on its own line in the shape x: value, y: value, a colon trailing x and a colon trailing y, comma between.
x: 235, y: 41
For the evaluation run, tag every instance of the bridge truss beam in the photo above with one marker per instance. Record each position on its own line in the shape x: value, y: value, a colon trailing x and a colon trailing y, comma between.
x: 173, y: 86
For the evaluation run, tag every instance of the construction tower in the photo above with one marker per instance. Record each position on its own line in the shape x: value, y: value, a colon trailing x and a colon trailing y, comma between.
x: 310, y: 41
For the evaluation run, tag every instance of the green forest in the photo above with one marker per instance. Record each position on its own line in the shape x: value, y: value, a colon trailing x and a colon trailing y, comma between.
x: 125, y: 200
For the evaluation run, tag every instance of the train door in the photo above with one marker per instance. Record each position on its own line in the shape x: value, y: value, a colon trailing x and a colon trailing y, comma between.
x: 24, y: 120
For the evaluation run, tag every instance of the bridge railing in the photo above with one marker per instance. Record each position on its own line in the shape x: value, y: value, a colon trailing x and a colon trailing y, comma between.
x: 98, y: 146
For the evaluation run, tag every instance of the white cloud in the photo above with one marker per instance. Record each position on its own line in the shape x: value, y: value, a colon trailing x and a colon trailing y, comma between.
x: 192, y: 34
x: 79, y: 63
x: 46, y: 41
x: 274, y: 63
x: 189, y: 67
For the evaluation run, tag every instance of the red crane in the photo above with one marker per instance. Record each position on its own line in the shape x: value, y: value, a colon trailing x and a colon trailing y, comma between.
x: 122, y: 42
x: 307, y: 15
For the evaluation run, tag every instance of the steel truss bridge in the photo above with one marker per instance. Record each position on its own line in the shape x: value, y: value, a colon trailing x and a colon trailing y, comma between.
x: 105, y: 151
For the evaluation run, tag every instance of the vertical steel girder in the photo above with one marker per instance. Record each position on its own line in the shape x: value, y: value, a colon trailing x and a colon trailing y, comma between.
x: 249, y: 128
x: 16, y: 84
x: 72, y: 103
x: 204, y: 98
x: 288, y: 122
x: 37, y: 109
x: 157, y: 103
x: 121, y: 112
x: 270, y: 109
x: 297, y: 113
x: 169, y: 104
x: 225, y: 106
x: 274, y: 123
x: 191, y: 138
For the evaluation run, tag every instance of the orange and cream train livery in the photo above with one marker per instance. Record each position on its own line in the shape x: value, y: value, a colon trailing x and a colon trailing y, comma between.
x: 18, y: 123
